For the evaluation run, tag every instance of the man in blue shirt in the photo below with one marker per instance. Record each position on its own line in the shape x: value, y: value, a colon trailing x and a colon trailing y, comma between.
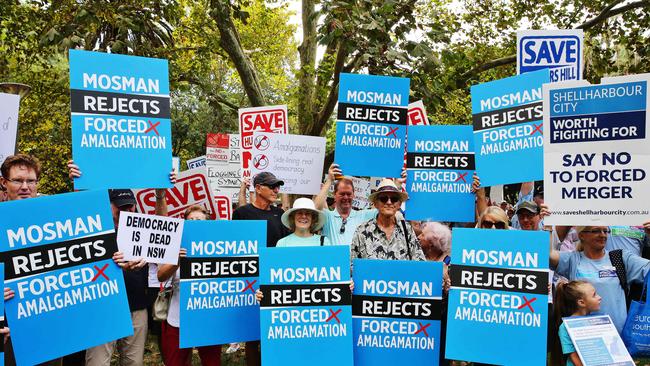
x: 342, y: 222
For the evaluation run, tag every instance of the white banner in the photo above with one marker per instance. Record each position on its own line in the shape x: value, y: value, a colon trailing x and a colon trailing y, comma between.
x: 261, y: 119
x: 154, y: 238
x: 223, y: 163
x: 9, y: 104
x: 596, y: 152
x: 297, y: 160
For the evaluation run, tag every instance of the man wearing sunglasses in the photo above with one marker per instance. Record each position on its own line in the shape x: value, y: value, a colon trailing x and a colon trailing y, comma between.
x: 340, y: 223
x: 386, y: 237
x: 528, y: 215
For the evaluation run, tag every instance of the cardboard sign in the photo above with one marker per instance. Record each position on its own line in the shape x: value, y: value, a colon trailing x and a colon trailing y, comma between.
x: 154, y: 238
x: 440, y: 165
x: 223, y: 207
x: 597, y: 341
x: 261, y: 119
x: 498, y: 306
x: 396, y: 312
x: 371, y: 125
x: 558, y: 50
x: 223, y: 161
x: 191, y: 188
x: 417, y: 114
x: 57, y: 252
x: 121, y: 127
x: 597, y: 153
x: 508, y: 137
x: 218, y: 282
x: 297, y: 160
x: 9, y: 104
x: 197, y: 162
x: 305, y: 316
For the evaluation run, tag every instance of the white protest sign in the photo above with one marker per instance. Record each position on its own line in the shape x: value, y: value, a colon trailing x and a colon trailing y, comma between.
x: 559, y: 50
x: 261, y: 119
x: 597, y: 341
x: 223, y: 163
x: 196, y: 162
x: 417, y: 114
x: 154, y: 238
x: 176, y: 164
x: 9, y: 104
x: 361, y: 193
x: 596, y: 152
x: 297, y: 160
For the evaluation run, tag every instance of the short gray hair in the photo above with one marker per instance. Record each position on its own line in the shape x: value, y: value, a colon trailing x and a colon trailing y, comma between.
x: 437, y: 234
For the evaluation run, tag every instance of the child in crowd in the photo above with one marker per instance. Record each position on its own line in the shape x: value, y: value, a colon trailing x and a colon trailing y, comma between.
x: 575, y: 298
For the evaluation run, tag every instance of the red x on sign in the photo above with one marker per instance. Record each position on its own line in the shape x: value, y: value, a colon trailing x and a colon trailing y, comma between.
x: 249, y: 285
x: 537, y: 129
x: 423, y: 329
x: 392, y: 132
x: 334, y: 316
x: 461, y: 176
x: 100, y: 272
x: 152, y: 126
x: 527, y: 304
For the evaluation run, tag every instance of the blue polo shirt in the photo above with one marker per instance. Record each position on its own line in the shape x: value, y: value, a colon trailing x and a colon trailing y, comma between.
x: 333, y: 223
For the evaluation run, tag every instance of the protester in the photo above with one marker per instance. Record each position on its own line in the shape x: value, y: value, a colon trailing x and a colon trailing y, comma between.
x: 172, y: 354
x: 304, y: 220
x: 267, y: 187
x: 435, y: 240
x: 386, y: 237
x: 493, y: 217
x: 575, y: 298
x: 602, y: 268
x: 130, y: 349
x: 340, y: 223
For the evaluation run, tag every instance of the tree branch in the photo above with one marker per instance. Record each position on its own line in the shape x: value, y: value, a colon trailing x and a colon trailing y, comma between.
x: 325, y: 113
x: 605, y: 14
x: 215, y: 96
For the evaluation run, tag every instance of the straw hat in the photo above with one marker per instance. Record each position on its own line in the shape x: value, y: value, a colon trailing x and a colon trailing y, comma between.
x: 304, y: 204
x: 387, y: 186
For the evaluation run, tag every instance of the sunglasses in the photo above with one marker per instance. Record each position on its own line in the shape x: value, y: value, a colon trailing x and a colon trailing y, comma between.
x: 342, y: 231
x: 597, y: 231
x: 392, y: 197
x: 485, y: 224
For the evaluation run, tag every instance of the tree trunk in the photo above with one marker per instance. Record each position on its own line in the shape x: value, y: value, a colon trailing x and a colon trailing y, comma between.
x: 307, y: 73
x: 230, y: 43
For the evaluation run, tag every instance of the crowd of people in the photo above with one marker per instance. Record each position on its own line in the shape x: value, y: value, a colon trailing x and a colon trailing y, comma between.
x: 595, y: 266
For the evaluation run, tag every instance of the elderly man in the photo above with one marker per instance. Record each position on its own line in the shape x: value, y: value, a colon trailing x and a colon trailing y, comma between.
x: 435, y: 240
x: 386, y: 237
x: 340, y: 223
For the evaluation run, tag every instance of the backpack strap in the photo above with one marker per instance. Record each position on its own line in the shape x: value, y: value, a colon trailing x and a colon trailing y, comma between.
x: 616, y: 257
x: 408, y: 240
x: 322, y: 240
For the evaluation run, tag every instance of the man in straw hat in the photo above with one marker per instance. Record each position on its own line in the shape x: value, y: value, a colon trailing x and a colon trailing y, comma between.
x: 386, y: 236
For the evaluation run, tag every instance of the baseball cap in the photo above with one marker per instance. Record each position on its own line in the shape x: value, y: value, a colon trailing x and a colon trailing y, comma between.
x: 528, y: 205
x: 267, y: 179
x: 121, y: 197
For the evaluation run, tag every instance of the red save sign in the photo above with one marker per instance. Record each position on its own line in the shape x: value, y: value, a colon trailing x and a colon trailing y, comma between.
x: 191, y: 188
x: 224, y: 207
x: 417, y: 116
x: 263, y: 119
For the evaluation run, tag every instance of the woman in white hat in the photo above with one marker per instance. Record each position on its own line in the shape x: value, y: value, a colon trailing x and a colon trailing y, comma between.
x: 304, y: 220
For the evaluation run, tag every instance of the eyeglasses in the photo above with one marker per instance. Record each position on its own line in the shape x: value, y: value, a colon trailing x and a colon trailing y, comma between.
x: 485, y: 224
x: 597, y: 231
x: 391, y: 197
x: 20, y: 182
x: 345, y: 221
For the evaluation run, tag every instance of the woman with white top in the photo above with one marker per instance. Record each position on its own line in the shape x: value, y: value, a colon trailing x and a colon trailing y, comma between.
x: 304, y: 220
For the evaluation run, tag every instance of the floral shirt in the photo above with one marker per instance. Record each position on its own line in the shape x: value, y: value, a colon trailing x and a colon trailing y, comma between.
x: 370, y: 242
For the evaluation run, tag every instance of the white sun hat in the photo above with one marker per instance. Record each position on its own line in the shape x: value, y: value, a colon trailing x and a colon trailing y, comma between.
x: 304, y: 204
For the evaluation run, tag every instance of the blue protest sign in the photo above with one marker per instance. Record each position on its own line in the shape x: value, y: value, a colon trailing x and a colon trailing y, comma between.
x: 508, y: 139
x: 218, y: 282
x: 371, y: 125
x: 439, y: 168
x: 498, y: 302
x: 69, y: 294
x: 595, y: 151
x: 306, y: 317
x: 558, y: 50
x: 396, y: 308
x: 121, y: 127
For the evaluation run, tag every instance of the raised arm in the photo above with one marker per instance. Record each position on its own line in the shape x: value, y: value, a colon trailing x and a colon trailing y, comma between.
x: 321, y: 198
x: 241, y: 199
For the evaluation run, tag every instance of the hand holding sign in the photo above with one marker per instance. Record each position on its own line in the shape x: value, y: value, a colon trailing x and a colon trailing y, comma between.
x: 148, y: 238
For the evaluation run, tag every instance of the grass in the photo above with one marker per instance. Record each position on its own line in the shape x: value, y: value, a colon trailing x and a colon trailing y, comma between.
x: 152, y: 356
